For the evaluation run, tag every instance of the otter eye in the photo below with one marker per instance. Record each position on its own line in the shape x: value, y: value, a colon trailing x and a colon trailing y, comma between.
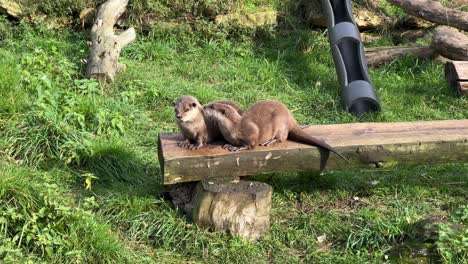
x: 194, y: 104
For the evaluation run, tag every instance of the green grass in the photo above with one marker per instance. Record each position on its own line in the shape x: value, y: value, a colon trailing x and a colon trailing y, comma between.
x: 60, y: 134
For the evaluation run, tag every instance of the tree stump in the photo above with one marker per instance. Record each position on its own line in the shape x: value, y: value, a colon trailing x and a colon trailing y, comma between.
x: 450, y: 43
x: 456, y: 73
x: 239, y: 207
x: 105, y: 45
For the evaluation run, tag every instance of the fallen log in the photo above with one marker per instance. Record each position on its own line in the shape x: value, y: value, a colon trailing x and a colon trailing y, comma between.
x: 239, y: 207
x: 105, y: 46
x: 364, y: 144
x: 380, y: 55
x: 434, y: 11
x: 456, y: 73
x: 450, y: 43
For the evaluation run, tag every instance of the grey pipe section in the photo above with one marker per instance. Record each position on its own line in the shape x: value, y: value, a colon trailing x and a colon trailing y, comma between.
x: 357, y: 91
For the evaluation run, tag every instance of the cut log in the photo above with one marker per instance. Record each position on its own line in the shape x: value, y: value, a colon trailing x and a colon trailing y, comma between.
x: 450, y: 43
x: 364, y: 144
x: 380, y: 55
x: 239, y: 207
x: 105, y: 45
x: 434, y: 11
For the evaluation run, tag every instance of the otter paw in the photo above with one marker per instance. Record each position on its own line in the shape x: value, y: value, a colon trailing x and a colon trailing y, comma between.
x: 193, y: 146
x: 184, y: 144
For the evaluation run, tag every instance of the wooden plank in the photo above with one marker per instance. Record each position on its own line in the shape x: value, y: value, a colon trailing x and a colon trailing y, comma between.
x: 456, y: 71
x: 462, y: 88
x: 365, y: 144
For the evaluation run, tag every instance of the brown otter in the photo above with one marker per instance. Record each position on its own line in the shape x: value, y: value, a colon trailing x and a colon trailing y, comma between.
x: 264, y: 123
x: 197, y: 128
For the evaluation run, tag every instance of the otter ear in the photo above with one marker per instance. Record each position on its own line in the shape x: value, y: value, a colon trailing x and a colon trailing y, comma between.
x: 223, y: 111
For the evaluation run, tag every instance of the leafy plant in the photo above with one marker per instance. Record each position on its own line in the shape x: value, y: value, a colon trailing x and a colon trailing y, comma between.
x: 452, y: 242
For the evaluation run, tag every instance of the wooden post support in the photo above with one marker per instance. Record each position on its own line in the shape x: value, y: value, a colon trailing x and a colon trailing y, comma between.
x: 456, y: 73
x: 239, y: 207
x: 367, y: 145
x: 105, y: 46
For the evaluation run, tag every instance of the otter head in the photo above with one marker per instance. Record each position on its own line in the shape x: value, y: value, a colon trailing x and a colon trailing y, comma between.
x: 186, y: 108
x: 221, y: 112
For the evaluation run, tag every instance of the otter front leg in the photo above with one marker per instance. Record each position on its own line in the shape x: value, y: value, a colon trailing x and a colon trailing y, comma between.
x: 199, y: 142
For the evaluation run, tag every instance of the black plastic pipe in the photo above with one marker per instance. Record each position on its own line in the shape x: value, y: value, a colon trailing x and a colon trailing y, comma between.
x: 357, y: 91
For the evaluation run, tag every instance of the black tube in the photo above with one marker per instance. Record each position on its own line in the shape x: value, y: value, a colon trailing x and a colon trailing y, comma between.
x: 358, y: 94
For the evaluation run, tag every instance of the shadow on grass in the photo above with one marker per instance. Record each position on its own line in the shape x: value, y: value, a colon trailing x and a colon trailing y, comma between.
x: 446, y: 178
x: 119, y: 169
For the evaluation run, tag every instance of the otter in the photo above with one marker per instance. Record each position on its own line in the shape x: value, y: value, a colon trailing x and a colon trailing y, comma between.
x: 197, y: 128
x: 263, y: 124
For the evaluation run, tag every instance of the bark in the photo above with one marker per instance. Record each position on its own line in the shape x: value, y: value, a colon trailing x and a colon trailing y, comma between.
x: 239, y: 207
x: 380, y: 55
x: 105, y: 45
x: 435, y: 12
x: 450, y: 43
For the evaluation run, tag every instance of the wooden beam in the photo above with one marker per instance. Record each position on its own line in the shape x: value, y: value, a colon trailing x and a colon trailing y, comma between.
x: 365, y: 144
x: 456, y: 73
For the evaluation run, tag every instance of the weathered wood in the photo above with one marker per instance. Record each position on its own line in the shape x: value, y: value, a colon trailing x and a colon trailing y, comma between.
x: 105, y: 45
x: 434, y: 11
x: 239, y: 207
x: 462, y: 88
x: 380, y: 55
x: 364, y: 144
x: 456, y: 71
x: 450, y: 43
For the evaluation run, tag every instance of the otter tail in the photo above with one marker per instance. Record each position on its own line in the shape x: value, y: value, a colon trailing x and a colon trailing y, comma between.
x: 299, y: 135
